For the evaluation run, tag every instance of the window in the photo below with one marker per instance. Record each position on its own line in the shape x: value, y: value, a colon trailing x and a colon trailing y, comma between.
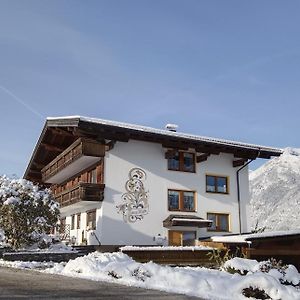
x: 91, y: 220
x: 62, y: 226
x: 72, y: 222
x: 182, y: 238
x: 216, y: 184
x: 220, y: 222
x: 181, y: 200
x: 181, y: 161
x: 78, y: 220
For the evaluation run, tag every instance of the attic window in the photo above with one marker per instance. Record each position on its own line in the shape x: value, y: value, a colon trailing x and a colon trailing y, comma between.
x: 181, y: 161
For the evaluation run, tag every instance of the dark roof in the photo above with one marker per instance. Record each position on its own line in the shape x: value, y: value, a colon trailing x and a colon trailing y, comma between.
x: 186, y: 220
x: 59, y: 133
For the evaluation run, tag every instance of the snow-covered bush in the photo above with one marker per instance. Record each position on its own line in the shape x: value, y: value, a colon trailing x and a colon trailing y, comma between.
x: 141, y: 274
x: 286, y: 275
x: 256, y: 293
x: 27, y: 212
x: 239, y: 265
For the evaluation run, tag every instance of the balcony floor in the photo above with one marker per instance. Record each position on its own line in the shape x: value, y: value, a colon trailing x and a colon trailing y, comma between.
x: 73, y: 168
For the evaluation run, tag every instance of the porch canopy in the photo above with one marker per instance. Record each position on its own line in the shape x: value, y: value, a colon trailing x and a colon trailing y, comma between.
x: 186, y: 221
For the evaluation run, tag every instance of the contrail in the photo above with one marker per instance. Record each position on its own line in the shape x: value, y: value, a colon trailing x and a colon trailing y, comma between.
x: 22, y: 102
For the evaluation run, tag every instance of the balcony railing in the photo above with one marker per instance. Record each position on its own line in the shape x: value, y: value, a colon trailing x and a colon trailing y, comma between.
x: 82, y: 147
x: 81, y: 192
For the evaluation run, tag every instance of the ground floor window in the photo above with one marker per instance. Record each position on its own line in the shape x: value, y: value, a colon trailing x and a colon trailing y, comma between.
x: 78, y: 220
x: 62, y: 225
x: 182, y: 238
x: 72, y: 222
x: 220, y: 222
x: 91, y: 220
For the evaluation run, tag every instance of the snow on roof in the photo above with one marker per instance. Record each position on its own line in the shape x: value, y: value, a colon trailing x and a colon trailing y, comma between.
x: 272, y: 234
x: 239, y: 239
x: 246, y: 238
x: 168, y: 133
x: 165, y: 248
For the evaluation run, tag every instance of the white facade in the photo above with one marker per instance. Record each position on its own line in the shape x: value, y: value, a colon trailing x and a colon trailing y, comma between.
x: 111, y: 228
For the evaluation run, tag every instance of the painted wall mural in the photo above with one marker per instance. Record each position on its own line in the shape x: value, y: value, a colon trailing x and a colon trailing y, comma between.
x: 135, y: 201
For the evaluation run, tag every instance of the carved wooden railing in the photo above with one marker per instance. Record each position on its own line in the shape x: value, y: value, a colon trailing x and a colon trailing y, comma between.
x: 81, y: 192
x: 81, y: 147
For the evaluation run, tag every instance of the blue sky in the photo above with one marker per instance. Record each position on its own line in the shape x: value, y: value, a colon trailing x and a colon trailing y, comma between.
x: 229, y: 69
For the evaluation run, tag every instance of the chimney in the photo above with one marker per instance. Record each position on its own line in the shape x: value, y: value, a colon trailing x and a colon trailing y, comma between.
x: 171, y: 127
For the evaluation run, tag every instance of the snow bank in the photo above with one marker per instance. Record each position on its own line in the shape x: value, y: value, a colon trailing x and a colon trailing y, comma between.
x: 194, y: 281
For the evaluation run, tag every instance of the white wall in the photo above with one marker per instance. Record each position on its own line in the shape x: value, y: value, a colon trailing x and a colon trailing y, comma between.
x: 151, y: 158
x: 77, y: 233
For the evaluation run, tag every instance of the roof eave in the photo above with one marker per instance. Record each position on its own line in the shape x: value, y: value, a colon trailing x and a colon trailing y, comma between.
x: 50, y: 122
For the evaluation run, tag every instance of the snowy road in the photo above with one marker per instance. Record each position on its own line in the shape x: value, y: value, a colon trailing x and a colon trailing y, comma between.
x: 25, y: 284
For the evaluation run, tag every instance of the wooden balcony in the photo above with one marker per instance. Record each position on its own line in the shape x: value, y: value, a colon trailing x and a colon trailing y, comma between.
x: 90, y: 192
x: 80, y: 155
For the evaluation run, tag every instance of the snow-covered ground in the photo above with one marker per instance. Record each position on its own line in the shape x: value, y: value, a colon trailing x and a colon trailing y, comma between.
x: 275, y: 192
x: 195, y: 281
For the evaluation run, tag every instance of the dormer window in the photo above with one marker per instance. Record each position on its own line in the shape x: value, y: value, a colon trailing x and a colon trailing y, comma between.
x: 181, y: 161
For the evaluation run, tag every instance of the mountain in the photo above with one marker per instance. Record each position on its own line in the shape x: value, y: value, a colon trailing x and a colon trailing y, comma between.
x: 275, y: 192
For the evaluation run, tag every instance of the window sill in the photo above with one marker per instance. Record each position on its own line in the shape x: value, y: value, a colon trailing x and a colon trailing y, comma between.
x: 185, y: 211
x: 220, y: 193
x: 183, y: 171
x: 212, y: 230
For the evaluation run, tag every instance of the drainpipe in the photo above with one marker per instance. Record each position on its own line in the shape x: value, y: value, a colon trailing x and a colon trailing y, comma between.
x: 238, y: 188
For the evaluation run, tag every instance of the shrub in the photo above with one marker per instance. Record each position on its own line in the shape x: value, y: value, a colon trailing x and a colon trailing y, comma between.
x: 114, y: 274
x: 220, y: 256
x: 255, y: 293
x: 26, y: 211
x: 272, y: 263
x: 140, y: 274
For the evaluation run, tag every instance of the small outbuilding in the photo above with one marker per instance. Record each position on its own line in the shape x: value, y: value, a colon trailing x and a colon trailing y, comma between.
x: 281, y: 245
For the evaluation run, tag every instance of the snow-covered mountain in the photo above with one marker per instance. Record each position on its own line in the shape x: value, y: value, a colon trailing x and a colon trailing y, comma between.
x: 275, y: 192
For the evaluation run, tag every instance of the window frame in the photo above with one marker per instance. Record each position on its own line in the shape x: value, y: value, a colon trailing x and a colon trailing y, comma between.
x: 181, y: 233
x: 216, y: 184
x: 181, y: 162
x: 181, y: 200
x: 63, y: 224
x: 78, y: 221
x: 92, y: 212
x: 72, y: 222
x: 218, y: 215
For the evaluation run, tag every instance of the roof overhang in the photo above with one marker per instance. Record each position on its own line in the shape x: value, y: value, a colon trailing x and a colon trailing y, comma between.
x: 186, y: 221
x: 59, y: 133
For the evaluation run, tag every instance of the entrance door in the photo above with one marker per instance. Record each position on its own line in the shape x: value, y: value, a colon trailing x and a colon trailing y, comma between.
x: 182, y: 238
x: 175, y: 238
